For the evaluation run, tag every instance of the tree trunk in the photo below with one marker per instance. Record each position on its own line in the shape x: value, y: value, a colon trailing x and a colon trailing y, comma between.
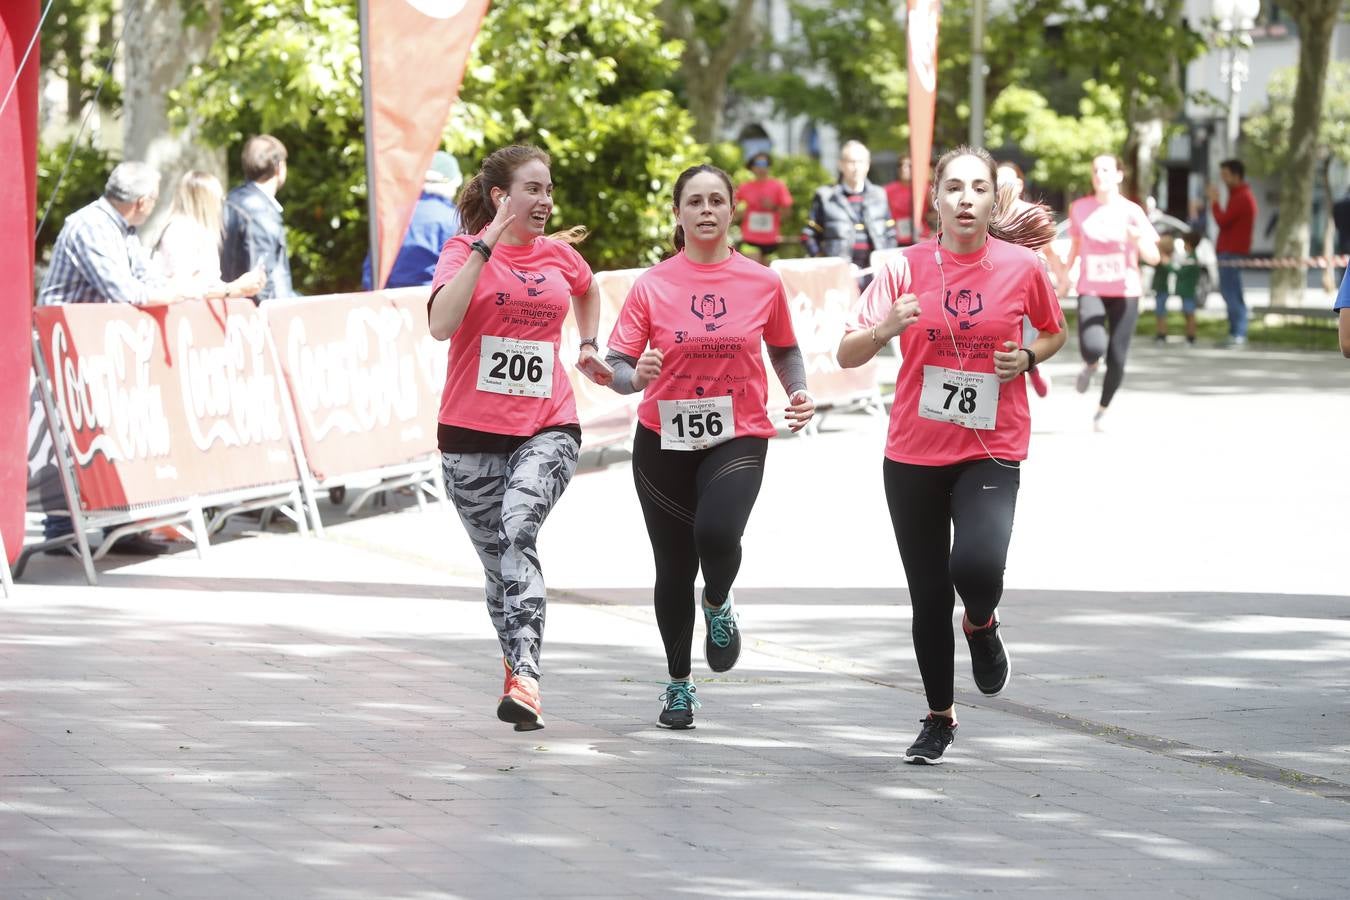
x: 1315, y: 20
x: 1328, y: 229
x: 707, y: 67
x: 158, y: 52
x: 1141, y: 154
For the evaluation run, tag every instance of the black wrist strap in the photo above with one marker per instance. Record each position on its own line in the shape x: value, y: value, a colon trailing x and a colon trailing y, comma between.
x: 1031, y: 355
x: 483, y: 249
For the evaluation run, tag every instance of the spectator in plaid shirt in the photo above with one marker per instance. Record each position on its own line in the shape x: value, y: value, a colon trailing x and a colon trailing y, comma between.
x: 98, y: 258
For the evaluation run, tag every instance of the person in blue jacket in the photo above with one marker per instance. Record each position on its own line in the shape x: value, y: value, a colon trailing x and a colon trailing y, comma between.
x: 435, y: 220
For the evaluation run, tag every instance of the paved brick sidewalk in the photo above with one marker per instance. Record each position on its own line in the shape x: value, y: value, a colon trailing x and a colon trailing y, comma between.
x: 305, y: 718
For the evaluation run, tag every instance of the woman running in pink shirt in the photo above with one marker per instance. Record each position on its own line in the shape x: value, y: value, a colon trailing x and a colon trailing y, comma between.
x: 691, y: 335
x: 508, y: 432
x: 1110, y: 235
x: 960, y: 423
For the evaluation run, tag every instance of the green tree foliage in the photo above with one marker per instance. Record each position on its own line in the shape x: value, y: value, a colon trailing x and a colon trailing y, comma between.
x: 588, y: 83
x: 86, y: 174
x: 1265, y: 134
x: 1063, y: 146
x: 293, y: 70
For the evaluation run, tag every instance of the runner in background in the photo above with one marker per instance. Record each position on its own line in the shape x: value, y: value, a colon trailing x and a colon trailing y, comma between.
x: 1109, y: 236
x: 1012, y: 197
x: 960, y: 422
x: 900, y: 195
x: 760, y: 205
x: 691, y: 335
x: 508, y: 431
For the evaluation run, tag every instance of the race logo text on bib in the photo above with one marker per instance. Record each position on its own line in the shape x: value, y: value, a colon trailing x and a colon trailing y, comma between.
x: 516, y: 367
x: 696, y: 424
x: 969, y: 399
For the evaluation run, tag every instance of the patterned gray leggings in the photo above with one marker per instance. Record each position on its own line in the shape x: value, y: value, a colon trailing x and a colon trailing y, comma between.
x: 503, y: 500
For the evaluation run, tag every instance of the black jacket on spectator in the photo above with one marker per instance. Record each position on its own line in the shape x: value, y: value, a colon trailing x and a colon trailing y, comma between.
x: 834, y: 222
x: 255, y: 234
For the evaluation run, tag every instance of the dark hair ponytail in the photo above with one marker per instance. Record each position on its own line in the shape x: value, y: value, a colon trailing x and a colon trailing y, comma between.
x: 476, y: 209
x: 1031, y: 225
x: 683, y: 180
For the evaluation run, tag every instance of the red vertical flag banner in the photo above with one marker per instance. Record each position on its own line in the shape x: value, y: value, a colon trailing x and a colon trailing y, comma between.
x: 922, y: 36
x: 18, y: 198
x: 413, y: 54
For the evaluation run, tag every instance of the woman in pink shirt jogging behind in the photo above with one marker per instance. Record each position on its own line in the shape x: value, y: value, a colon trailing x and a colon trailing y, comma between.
x: 691, y: 335
x: 508, y: 430
x: 960, y: 423
x: 1109, y: 236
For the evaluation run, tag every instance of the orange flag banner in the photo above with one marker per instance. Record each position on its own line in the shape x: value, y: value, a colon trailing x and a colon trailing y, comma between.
x: 413, y: 55
x: 922, y: 37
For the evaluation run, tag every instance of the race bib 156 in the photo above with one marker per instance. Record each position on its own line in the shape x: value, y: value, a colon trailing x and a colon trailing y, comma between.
x: 696, y: 424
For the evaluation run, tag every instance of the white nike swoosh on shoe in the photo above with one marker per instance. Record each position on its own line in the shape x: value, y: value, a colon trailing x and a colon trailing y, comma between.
x: 989, y: 487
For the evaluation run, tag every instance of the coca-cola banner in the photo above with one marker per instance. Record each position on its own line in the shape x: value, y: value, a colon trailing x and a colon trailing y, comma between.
x: 365, y: 376
x: 166, y: 402
x: 820, y: 293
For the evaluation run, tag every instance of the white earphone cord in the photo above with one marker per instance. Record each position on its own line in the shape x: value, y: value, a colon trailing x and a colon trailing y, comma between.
x: 937, y: 254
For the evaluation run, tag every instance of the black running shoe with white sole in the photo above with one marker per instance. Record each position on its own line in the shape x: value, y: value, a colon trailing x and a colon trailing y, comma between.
x: 938, y: 733
x: 722, y: 646
x: 989, y: 660
x: 680, y: 703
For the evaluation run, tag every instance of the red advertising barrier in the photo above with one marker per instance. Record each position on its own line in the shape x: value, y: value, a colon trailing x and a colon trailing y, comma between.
x: 821, y: 293
x: 161, y: 403
x: 365, y: 377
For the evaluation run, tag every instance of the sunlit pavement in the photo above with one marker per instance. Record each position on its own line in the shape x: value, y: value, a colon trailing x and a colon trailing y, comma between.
x: 315, y: 718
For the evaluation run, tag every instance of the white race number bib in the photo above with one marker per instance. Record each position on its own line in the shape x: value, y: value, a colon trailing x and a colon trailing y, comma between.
x: 969, y: 399
x: 760, y: 221
x: 517, y: 367
x: 696, y: 424
x: 1105, y: 266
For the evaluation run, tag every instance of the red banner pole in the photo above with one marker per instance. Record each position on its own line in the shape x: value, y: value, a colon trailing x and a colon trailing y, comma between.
x: 18, y: 202
x: 921, y: 35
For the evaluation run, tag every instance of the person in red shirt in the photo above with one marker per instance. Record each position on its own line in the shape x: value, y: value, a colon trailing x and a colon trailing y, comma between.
x: 960, y: 423
x: 900, y: 195
x: 1236, y: 222
x: 760, y: 205
x: 691, y: 336
x: 508, y: 430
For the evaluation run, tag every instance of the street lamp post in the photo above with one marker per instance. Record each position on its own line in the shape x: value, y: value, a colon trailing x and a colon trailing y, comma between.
x: 1235, y: 19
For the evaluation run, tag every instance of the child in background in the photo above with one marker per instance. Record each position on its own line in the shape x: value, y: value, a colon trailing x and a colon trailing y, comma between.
x: 1186, y: 266
x: 1162, y: 285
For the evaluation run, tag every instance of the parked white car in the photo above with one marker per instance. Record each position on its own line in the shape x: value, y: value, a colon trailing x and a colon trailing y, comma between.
x: 1165, y: 225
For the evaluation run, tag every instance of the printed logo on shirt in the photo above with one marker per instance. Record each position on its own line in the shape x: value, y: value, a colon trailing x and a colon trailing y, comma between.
x: 967, y: 306
x: 531, y: 280
x: 708, y: 309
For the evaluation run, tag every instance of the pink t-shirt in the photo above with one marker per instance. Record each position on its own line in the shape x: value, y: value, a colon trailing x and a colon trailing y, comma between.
x: 1108, y: 262
x: 981, y: 307
x: 708, y: 321
x: 760, y: 226
x: 523, y: 294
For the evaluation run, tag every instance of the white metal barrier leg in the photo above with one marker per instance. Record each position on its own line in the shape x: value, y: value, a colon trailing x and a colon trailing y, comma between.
x: 6, y: 577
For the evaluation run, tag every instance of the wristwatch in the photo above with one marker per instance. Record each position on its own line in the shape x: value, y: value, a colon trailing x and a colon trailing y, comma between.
x: 594, y: 343
x: 1031, y: 355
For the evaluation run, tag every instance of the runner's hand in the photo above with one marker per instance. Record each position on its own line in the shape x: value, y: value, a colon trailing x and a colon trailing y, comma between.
x: 499, y: 223
x: 1008, y: 362
x: 594, y: 373
x: 801, y: 407
x: 904, y: 313
x: 648, y: 368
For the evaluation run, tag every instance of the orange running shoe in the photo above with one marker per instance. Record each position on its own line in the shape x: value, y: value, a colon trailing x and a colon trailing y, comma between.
x: 520, y: 703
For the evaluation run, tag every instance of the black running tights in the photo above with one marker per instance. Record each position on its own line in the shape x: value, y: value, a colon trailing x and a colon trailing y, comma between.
x: 976, y: 500
x: 696, y: 504
x: 1095, y: 316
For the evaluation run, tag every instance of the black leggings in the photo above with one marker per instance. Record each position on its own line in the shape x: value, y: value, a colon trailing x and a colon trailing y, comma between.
x: 978, y: 498
x: 1095, y: 314
x: 696, y: 503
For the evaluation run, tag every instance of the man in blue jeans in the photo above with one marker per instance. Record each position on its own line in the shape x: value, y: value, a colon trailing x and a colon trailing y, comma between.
x: 1236, y: 222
